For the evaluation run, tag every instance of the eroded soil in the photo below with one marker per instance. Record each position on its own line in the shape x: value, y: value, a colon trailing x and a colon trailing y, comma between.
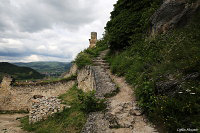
x: 9, y: 123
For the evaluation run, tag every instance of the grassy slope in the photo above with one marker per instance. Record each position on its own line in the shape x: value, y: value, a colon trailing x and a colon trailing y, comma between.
x: 168, y: 58
x: 19, y: 72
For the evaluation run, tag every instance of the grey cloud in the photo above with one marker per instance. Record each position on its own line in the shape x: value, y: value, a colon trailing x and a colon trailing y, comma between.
x: 13, y: 52
x: 62, y: 26
x: 36, y: 15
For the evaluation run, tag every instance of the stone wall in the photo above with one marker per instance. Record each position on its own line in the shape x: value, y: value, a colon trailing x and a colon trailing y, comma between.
x: 42, y: 107
x: 85, y: 79
x: 19, y: 97
x: 96, y: 78
x: 72, y: 71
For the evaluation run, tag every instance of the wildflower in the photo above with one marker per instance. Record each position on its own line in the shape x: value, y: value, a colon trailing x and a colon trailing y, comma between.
x: 188, y: 90
x: 192, y: 93
x: 180, y: 92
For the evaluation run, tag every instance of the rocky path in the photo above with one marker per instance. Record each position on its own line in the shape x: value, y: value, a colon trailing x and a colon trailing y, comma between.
x: 10, y: 124
x: 124, y: 107
x: 122, y: 114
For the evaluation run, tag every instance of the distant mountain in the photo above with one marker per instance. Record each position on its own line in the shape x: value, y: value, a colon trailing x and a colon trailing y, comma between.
x: 53, y: 69
x: 19, y: 73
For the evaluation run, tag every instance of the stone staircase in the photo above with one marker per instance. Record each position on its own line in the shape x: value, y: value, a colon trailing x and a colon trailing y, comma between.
x: 97, y: 122
x: 104, y: 84
x: 122, y: 114
x: 101, y: 63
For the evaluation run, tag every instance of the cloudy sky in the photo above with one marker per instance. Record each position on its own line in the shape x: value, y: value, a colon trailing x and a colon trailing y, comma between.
x: 49, y: 30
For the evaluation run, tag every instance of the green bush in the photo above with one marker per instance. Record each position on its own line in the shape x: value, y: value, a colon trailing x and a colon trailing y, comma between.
x: 89, y: 103
x: 83, y: 59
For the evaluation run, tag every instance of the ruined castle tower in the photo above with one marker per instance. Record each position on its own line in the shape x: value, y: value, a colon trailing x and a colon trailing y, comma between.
x: 93, y: 39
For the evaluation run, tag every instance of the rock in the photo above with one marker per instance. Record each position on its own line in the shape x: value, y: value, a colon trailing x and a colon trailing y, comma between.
x: 136, y: 112
x: 169, y: 87
x: 43, y: 108
x: 113, y: 122
x: 96, y: 123
x: 171, y: 14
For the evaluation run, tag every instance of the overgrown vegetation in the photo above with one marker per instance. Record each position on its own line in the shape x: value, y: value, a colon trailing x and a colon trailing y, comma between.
x: 129, y: 22
x: 165, y: 70
x: 71, y: 119
x: 85, y: 57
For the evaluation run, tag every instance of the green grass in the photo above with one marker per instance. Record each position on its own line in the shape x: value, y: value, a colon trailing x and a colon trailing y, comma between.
x: 71, y: 119
x: 167, y: 57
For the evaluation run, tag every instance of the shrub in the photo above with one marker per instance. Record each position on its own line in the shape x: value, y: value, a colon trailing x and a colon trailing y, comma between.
x: 90, y: 103
x: 83, y: 59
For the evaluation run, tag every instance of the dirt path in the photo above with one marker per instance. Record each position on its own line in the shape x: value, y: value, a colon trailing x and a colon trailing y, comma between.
x: 130, y: 113
x: 10, y: 124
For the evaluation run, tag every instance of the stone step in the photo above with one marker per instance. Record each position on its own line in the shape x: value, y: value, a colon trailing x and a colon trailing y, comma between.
x: 98, y: 60
x: 100, y: 63
x: 102, y: 66
x: 105, y: 67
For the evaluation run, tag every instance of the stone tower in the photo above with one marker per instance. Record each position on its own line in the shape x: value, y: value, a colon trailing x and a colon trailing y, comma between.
x: 93, y: 39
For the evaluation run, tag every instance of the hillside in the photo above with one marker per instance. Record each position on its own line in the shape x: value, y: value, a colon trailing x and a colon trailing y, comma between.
x: 19, y: 73
x: 155, y: 46
x: 53, y: 69
x: 164, y: 69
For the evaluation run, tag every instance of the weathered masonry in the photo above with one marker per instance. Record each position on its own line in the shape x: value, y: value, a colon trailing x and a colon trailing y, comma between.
x: 21, y: 97
x: 93, y: 39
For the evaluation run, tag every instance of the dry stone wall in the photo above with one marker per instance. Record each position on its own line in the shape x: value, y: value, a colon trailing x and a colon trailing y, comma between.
x: 19, y: 97
x: 42, y: 107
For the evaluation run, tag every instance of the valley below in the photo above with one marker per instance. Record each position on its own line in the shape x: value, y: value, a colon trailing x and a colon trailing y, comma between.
x: 49, y: 69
